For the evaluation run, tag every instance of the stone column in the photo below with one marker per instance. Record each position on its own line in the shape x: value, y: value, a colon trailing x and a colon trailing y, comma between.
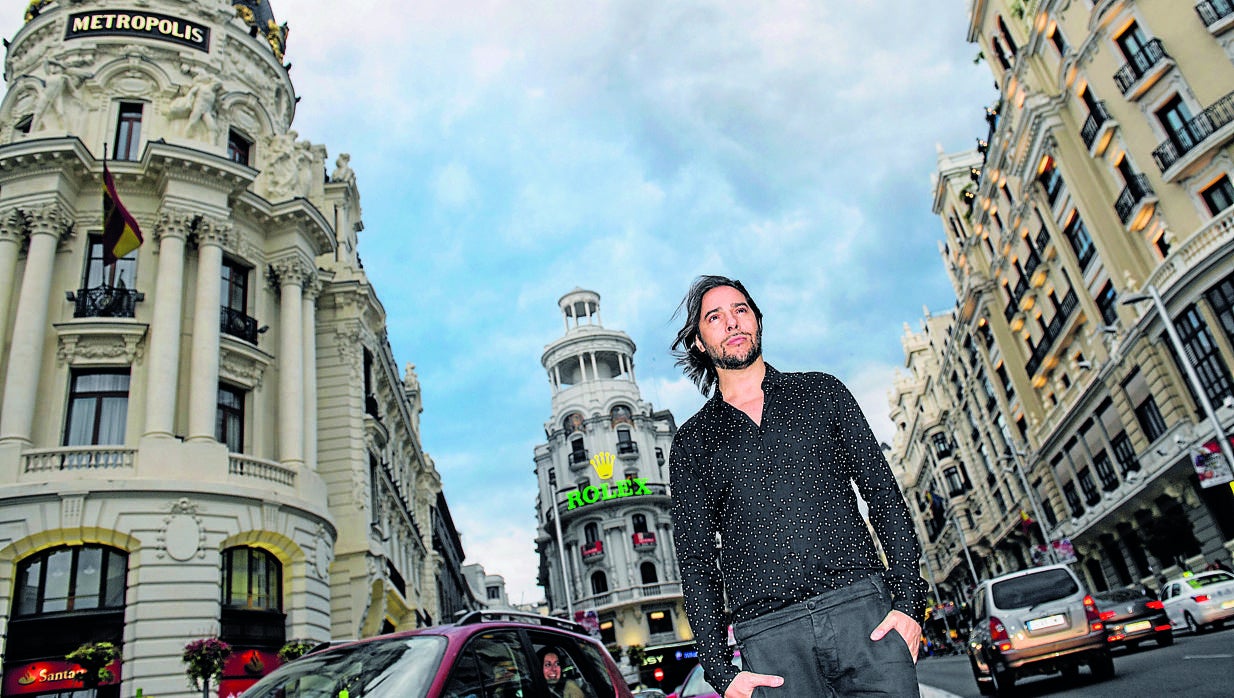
x: 291, y: 273
x: 12, y: 231
x: 309, y: 339
x: 212, y: 237
x: 46, y: 224
x: 163, y: 367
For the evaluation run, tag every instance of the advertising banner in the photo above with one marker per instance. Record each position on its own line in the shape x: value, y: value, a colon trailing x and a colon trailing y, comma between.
x: 1211, y: 466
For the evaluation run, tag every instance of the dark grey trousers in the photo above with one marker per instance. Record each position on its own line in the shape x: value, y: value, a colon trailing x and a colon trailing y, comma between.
x: 822, y: 647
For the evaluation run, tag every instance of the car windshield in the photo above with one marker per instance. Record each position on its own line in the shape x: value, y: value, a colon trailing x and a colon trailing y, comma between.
x: 1208, y: 579
x: 1118, y: 596
x: 1032, y: 589
x: 395, y: 668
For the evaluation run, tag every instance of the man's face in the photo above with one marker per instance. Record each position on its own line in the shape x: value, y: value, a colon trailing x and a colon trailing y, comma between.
x: 728, y: 330
x: 552, y: 667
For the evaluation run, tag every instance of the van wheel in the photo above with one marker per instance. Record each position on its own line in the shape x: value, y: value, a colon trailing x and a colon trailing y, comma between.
x: 1004, y: 681
x: 986, y: 688
x: 1102, y: 666
x: 1192, y: 626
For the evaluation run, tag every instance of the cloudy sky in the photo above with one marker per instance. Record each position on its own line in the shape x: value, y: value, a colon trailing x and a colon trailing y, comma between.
x: 508, y: 152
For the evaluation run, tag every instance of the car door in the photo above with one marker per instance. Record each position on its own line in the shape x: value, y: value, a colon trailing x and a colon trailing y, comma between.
x: 581, y: 663
x: 491, y: 665
x: 1170, y: 600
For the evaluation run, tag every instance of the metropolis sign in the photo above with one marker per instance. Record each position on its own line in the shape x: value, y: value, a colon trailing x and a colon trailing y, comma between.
x: 150, y: 25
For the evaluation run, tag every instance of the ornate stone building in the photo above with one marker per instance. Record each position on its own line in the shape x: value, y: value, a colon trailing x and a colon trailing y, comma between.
x: 603, y: 479
x: 1105, y: 178
x: 211, y: 437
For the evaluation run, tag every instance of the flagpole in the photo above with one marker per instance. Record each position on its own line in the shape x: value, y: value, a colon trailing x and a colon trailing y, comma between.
x: 111, y: 274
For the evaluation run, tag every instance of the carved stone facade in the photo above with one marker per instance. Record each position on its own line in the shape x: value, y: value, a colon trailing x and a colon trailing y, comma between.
x: 1105, y: 176
x: 618, y: 553
x: 237, y: 446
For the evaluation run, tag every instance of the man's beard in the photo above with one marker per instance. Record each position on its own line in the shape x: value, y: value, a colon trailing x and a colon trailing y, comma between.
x: 730, y: 362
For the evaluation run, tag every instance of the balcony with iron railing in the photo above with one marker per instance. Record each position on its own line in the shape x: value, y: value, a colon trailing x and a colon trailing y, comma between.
x: 1142, y: 69
x: 1135, y: 202
x: 1052, y: 332
x: 593, y: 550
x: 105, y: 301
x: 1096, y: 128
x: 1217, y: 15
x: 627, y: 449
x: 633, y: 593
x: 237, y: 324
x: 643, y: 539
x: 1211, y: 129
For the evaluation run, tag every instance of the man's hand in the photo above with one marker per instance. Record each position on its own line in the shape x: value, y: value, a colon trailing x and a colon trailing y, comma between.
x: 743, y: 686
x: 903, y: 624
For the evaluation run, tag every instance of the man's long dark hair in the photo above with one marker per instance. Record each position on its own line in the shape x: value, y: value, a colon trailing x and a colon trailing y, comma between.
x: 695, y: 363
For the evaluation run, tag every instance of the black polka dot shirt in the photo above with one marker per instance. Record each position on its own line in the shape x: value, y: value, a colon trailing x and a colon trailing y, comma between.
x: 779, y: 497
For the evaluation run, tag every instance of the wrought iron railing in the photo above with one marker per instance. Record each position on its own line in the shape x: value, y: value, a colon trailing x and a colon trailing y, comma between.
x: 1138, y: 65
x: 1194, y: 132
x: 237, y: 324
x: 1213, y: 11
x: 1097, y: 117
x: 106, y: 301
x: 1137, y: 190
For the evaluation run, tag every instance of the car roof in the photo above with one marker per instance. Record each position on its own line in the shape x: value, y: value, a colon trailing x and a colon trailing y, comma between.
x: 477, y: 621
x: 1198, y: 575
x: 1026, y: 572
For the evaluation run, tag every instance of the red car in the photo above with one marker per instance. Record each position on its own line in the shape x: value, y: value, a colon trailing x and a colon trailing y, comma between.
x: 483, y: 655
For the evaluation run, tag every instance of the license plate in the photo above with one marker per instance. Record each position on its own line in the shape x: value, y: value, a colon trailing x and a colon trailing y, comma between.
x: 1228, y: 604
x: 1138, y: 626
x: 1047, y: 622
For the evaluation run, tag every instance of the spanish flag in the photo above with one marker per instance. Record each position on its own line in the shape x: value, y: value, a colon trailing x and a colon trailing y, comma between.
x: 121, y: 234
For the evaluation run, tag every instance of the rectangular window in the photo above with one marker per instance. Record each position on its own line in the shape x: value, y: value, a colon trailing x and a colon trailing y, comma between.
x: 97, y: 275
x: 1219, y: 195
x: 1091, y: 496
x: 1059, y: 41
x: 1175, y: 118
x: 1202, y: 352
x: 1073, y: 500
x: 1107, y: 299
x: 1105, y: 471
x: 239, y: 148
x: 229, y: 421
x: 98, y: 408
x: 128, y: 131
x: 1124, y: 453
x: 1221, y: 299
x: 1149, y: 417
x: 1077, y: 234
x: 235, y: 286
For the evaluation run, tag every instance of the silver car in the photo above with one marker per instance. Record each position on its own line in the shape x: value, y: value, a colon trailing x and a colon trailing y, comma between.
x: 1196, y: 601
x: 1035, y: 621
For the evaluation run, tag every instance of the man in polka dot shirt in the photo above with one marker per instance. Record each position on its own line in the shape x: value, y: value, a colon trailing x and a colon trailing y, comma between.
x: 765, y: 514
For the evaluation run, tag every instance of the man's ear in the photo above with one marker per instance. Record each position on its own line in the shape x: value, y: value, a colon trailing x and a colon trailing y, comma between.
x: 698, y: 345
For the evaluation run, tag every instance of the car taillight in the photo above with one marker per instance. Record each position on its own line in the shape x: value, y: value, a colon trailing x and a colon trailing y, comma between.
x: 1155, y: 604
x: 1200, y: 598
x: 1092, y: 614
x: 1106, y: 615
x: 998, y: 634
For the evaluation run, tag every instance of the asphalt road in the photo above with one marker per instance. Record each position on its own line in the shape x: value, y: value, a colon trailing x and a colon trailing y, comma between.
x: 1194, y: 666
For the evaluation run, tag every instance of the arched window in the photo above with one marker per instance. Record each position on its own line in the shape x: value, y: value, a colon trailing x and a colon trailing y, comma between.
x: 648, y: 570
x: 78, y: 578
x: 640, y: 523
x: 591, y: 532
x: 252, y: 580
x: 599, y: 583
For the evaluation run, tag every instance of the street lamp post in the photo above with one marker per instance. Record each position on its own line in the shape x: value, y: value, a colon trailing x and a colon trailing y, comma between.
x: 561, y: 548
x: 1028, y: 492
x: 1150, y: 292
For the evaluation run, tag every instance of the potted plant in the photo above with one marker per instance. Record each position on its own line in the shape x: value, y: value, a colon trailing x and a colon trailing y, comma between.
x: 93, y: 658
x: 294, y: 649
x: 204, y: 660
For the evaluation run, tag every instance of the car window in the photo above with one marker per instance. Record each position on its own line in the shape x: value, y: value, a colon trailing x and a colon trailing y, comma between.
x: 385, y: 669
x: 1209, y: 579
x: 1171, y: 591
x: 1118, y: 596
x: 1032, y: 589
x: 492, y: 665
x: 581, y: 664
x: 696, y: 685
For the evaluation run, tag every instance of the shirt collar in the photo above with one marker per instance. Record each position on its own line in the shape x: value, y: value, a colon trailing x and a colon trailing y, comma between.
x: 771, y: 379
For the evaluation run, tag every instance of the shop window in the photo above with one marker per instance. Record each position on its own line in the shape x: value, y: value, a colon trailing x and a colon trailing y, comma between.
x: 252, y: 579
x: 70, y: 579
